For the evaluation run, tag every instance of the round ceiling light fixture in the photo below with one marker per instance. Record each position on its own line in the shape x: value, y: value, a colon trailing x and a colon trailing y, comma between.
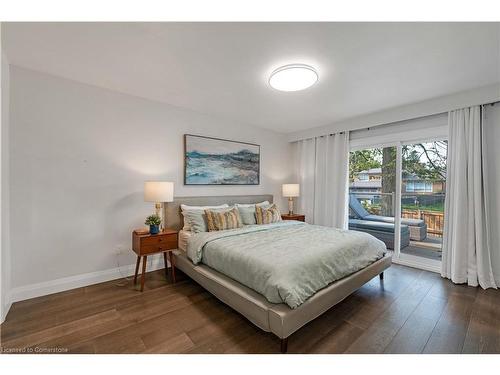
x: 293, y: 77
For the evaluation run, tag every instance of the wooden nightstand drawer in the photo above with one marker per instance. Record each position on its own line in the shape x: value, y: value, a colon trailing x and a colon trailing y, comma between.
x: 167, y: 241
x: 150, y: 249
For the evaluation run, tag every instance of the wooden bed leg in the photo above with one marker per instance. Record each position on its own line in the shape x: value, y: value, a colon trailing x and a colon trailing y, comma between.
x: 284, y: 345
x: 381, y: 275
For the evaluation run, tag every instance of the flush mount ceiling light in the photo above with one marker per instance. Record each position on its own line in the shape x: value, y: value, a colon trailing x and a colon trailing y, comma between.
x: 293, y: 77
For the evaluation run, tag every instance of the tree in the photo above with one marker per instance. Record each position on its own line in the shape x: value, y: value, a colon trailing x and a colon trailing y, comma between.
x: 363, y: 160
x: 388, y: 181
x: 427, y: 161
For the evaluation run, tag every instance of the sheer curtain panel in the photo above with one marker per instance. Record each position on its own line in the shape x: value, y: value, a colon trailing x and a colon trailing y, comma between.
x: 322, y: 171
x: 466, y: 248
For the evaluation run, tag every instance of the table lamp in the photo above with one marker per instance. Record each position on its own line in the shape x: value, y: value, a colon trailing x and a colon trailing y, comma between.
x: 159, y: 192
x: 290, y: 191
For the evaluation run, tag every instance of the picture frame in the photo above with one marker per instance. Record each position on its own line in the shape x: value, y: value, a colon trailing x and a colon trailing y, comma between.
x: 217, y: 161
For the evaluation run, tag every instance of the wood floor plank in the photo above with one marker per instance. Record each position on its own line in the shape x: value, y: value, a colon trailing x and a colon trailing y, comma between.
x: 221, y: 323
x: 87, y: 348
x: 191, y: 321
x: 84, y: 336
x: 377, y: 296
x: 409, y: 311
x: 449, y: 334
x: 383, y: 329
x: 313, y: 332
x: 176, y: 344
x: 51, y: 333
x: 338, y: 339
x: 47, y: 316
x: 415, y: 332
x: 257, y: 342
x: 483, y: 332
x: 365, y: 313
x: 224, y: 342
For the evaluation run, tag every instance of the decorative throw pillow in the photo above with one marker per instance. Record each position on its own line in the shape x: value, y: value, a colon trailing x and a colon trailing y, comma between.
x: 247, y: 212
x: 223, y: 219
x: 196, y: 220
x: 200, y: 212
x: 265, y: 203
x: 267, y: 215
x: 247, y: 215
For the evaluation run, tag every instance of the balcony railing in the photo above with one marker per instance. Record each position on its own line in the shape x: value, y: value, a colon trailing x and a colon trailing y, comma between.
x: 426, y: 206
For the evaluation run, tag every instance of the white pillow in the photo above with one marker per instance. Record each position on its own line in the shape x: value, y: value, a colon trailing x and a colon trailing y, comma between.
x: 265, y: 203
x: 185, y: 207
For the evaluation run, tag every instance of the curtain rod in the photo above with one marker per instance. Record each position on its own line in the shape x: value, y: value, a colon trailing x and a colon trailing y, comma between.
x: 492, y: 103
x: 416, y: 118
x: 390, y: 123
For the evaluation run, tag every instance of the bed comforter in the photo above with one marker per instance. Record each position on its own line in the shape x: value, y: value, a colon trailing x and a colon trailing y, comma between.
x: 286, y: 262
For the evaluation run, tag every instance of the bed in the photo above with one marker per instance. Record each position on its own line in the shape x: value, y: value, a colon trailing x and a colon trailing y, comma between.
x: 279, y: 305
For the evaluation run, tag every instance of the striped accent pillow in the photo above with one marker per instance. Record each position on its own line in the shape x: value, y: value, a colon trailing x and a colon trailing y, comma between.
x: 222, y: 220
x: 267, y: 215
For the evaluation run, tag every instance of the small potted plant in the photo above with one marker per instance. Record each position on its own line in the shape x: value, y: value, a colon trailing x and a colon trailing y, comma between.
x: 154, y: 223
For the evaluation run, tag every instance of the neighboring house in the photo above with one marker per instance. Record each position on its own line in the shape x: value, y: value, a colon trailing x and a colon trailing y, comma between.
x: 369, y: 182
x: 413, y: 184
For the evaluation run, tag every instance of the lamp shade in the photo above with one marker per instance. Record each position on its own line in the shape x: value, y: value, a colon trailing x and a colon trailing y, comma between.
x: 158, y: 191
x: 291, y: 190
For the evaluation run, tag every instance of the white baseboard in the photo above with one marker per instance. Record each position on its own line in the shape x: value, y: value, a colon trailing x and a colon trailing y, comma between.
x: 415, y: 262
x: 66, y: 283
x: 5, y: 309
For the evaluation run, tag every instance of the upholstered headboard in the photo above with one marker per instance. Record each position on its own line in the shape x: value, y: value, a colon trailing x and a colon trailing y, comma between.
x: 173, y: 214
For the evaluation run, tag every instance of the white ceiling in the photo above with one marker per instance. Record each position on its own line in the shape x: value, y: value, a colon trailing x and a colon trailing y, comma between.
x: 222, y: 68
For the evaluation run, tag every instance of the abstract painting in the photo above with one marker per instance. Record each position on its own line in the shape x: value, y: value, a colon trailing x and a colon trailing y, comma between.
x: 213, y: 161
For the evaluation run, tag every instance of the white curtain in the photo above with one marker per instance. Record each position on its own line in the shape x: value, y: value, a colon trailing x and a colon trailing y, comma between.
x: 305, y: 153
x: 491, y: 177
x: 322, y: 170
x: 466, y: 252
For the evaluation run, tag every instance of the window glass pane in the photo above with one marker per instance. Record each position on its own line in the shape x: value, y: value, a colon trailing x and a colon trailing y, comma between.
x: 422, y: 201
x: 372, y: 192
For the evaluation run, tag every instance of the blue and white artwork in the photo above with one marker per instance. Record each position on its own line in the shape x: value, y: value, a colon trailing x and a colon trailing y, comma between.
x: 212, y: 161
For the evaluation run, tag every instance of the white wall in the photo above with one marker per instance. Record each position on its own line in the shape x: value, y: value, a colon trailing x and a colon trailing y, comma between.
x: 442, y: 104
x: 4, y: 190
x: 79, y: 157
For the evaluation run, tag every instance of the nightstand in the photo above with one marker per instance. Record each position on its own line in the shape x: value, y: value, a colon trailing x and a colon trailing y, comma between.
x: 297, y: 217
x: 148, y: 244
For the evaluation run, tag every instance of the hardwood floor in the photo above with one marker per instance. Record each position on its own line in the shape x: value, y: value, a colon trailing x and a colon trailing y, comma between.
x: 410, y: 311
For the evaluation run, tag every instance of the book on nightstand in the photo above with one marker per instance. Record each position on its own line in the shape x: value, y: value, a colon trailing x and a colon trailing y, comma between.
x: 141, y: 231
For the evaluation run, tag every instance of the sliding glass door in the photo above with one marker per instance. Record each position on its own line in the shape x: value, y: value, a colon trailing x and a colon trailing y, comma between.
x: 372, y: 192
x: 396, y: 193
x: 422, y: 196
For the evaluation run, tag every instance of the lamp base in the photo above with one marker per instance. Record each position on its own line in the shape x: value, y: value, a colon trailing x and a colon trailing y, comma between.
x: 290, y: 206
x: 159, y: 212
x: 158, y: 209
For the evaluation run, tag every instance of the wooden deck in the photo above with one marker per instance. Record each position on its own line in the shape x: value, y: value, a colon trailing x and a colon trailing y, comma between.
x: 429, y: 248
x: 410, y: 311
